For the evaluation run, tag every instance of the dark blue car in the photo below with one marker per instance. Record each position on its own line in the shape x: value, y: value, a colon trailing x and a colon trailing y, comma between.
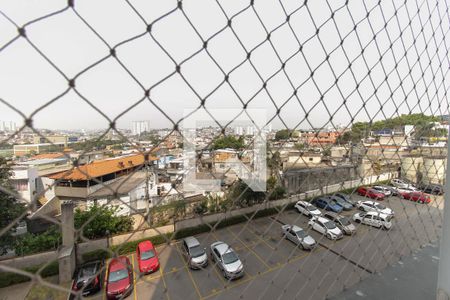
x: 327, y: 204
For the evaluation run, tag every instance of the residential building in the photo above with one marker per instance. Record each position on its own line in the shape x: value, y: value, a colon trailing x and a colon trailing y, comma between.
x: 51, y: 139
x: 79, y: 183
x: 32, y: 149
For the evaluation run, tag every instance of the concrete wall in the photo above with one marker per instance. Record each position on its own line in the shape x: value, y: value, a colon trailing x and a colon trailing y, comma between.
x: 302, y: 180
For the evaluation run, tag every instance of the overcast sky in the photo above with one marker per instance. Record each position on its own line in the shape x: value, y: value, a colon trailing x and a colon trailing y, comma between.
x: 28, y: 81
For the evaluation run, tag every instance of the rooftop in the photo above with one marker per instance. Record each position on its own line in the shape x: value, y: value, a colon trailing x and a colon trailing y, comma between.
x: 102, y: 167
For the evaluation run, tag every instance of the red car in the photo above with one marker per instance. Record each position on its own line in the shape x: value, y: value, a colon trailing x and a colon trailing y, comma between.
x: 416, y: 197
x: 370, y: 193
x: 147, y: 258
x: 120, y: 278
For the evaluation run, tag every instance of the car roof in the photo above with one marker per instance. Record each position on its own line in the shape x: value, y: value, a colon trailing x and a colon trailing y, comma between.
x: 222, y: 247
x: 118, y: 263
x: 296, y: 228
x: 322, y: 219
x: 145, y: 246
x: 376, y: 213
x: 191, y: 241
x: 368, y: 201
x: 331, y: 214
x: 304, y: 202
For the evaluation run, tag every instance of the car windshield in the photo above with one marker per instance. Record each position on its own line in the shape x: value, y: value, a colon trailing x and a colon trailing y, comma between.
x: 196, y: 251
x: 229, y: 258
x: 311, y: 208
x: 380, y: 206
x: 332, y: 202
x: 344, y: 221
x: 147, y: 255
x: 330, y: 225
x: 118, y: 275
x: 301, y: 233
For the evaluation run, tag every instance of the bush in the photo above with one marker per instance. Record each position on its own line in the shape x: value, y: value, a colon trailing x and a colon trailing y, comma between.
x: 34, y: 243
x: 99, y: 220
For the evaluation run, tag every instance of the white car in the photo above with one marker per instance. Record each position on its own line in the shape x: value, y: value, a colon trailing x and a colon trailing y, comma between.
x: 298, y: 236
x: 307, y: 209
x: 387, y: 192
x: 400, y: 183
x: 326, y: 227
x: 407, y: 190
x: 373, y: 218
x: 374, y: 206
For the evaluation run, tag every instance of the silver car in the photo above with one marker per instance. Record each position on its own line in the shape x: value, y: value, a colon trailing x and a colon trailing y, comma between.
x: 194, y: 253
x: 227, y: 260
x: 298, y: 236
x: 342, y: 222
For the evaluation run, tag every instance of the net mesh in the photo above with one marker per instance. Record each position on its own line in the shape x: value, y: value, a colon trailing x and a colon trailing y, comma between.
x: 340, y: 81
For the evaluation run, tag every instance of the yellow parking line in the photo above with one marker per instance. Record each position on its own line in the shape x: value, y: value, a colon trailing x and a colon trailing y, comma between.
x: 164, y: 282
x: 250, y: 249
x: 134, y: 277
x: 105, y: 279
x: 189, y: 272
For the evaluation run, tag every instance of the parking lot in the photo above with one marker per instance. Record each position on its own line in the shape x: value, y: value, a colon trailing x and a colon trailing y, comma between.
x: 276, y: 268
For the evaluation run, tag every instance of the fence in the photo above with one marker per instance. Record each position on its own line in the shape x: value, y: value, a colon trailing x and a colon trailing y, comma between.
x: 355, y: 86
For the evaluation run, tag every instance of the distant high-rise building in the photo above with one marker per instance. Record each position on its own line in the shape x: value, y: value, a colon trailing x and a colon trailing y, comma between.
x: 139, y: 127
x: 8, y: 126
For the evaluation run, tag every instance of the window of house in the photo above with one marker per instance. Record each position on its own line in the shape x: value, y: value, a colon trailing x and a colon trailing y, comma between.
x: 310, y: 159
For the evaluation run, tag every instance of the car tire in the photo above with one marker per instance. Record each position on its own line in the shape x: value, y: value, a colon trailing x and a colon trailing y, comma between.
x: 358, y: 221
x: 224, y: 274
x: 328, y: 236
x: 361, y: 208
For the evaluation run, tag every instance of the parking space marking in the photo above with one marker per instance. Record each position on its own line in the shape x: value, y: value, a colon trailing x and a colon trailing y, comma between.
x: 164, y: 283
x: 248, y: 248
x: 134, y: 276
x: 105, y: 279
x: 189, y: 272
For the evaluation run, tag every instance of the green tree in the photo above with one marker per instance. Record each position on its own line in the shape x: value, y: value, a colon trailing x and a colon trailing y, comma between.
x: 97, y: 220
x: 228, y: 141
x: 282, y: 134
x: 34, y: 243
x: 10, y: 208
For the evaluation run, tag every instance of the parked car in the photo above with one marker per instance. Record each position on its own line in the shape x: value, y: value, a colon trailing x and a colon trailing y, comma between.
x: 346, y: 198
x: 403, y: 191
x: 341, y: 202
x: 418, y: 197
x: 89, y: 278
x: 400, y: 183
x: 435, y: 189
x: 298, y: 236
x: 374, y: 206
x: 195, y: 254
x: 147, y: 257
x: 119, y: 283
x: 307, y: 209
x: 342, y: 222
x: 373, y: 218
x: 227, y: 260
x: 382, y: 189
x: 327, y: 204
x: 326, y: 227
x: 370, y: 193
